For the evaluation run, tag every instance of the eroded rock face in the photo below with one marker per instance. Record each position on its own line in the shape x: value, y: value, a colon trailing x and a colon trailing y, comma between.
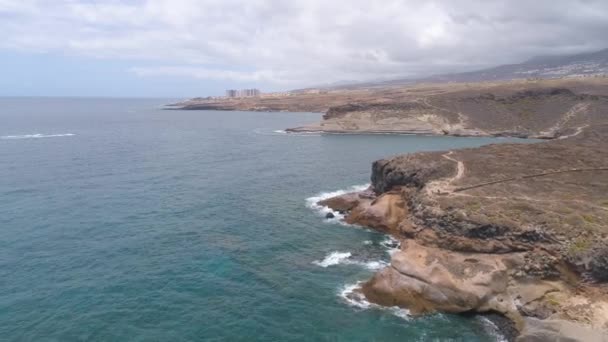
x: 385, y: 212
x: 501, y: 228
x: 413, y: 170
x: 425, y: 279
x: 342, y: 203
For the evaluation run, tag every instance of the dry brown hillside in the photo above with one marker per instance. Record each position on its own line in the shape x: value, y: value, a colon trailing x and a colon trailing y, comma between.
x: 538, y: 108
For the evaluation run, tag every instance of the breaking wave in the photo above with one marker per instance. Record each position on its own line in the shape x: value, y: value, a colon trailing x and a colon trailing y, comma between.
x: 36, y: 136
x: 353, y: 296
x: 312, y: 202
x: 344, y: 258
x: 333, y: 258
x: 266, y: 131
x: 492, y: 329
x: 391, y: 244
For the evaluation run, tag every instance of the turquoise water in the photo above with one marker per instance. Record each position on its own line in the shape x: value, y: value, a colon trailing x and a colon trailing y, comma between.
x: 123, y: 222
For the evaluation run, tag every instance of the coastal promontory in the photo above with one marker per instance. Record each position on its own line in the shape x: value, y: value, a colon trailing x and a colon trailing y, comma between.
x: 515, y: 229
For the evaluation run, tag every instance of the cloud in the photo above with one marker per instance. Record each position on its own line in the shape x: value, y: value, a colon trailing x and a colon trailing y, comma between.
x: 304, y: 42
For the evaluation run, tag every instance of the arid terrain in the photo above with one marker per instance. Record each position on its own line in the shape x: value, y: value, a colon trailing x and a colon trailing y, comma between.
x: 538, y: 108
x: 517, y: 229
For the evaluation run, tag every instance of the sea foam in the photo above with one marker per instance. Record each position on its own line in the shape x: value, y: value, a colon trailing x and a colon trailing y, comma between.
x: 353, y: 296
x: 391, y: 244
x: 492, y: 329
x: 36, y: 136
x: 312, y: 202
x: 333, y: 258
x: 344, y: 258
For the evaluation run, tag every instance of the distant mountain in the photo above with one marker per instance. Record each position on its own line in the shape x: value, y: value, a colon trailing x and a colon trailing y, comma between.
x: 594, y: 63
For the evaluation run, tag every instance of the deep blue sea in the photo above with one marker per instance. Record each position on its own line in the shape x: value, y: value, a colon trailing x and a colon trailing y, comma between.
x: 120, y: 221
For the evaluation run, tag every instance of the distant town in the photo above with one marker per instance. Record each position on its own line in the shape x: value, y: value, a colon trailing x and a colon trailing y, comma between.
x: 254, y: 92
x: 243, y: 92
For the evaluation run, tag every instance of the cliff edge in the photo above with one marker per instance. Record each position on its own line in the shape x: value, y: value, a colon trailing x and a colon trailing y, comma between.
x: 547, y: 109
x: 516, y: 229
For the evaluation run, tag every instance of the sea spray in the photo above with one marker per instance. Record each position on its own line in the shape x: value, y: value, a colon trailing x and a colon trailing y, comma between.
x: 346, y: 258
x: 353, y: 295
x: 313, y: 202
x: 334, y: 258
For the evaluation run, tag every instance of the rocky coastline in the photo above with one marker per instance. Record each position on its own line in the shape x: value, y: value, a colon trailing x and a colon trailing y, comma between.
x: 542, y: 109
x: 518, y: 230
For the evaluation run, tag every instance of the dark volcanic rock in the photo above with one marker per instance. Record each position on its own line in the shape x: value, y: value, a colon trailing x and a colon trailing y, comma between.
x: 413, y: 170
x: 598, y: 266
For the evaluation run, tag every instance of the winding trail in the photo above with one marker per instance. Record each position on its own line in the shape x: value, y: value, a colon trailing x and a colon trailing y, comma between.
x: 444, y: 187
x: 535, y: 175
x: 575, y: 110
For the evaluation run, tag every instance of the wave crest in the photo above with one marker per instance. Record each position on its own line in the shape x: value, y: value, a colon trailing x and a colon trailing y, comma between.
x: 344, y: 258
x: 36, y: 136
x: 353, y: 296
x: 333, y: 258
x: 312, y: 202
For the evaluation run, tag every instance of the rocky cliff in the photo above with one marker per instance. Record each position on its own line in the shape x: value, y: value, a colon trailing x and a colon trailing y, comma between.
x: 515, y: 109
x: 515, y: 229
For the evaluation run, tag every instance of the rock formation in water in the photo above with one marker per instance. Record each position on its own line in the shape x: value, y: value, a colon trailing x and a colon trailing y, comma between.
x: 515, y: 229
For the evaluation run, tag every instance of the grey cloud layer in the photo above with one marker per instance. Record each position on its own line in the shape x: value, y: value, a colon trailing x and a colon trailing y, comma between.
x: 307, y: 41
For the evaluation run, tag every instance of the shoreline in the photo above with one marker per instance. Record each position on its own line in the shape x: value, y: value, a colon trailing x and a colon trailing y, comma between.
x: 423, y: 134
x: 542, y: 109
x: 496, y: 324
x: 467, y: 264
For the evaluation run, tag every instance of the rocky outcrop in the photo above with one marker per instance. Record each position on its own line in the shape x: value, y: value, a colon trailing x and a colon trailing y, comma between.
x: 519, y: 230
x: 527, y: 109
x: 547, y: 109
x: 427, y: 279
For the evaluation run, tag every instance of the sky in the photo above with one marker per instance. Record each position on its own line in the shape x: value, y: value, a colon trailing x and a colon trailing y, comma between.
x: 185, y: 48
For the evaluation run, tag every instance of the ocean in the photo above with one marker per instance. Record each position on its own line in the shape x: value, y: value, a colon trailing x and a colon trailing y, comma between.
x: 120, y: 221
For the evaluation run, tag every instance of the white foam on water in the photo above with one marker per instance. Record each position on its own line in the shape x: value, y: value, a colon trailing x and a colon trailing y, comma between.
x: 492, y: 329
x: 372, y: 265
x: 333, y: 258
x: 312, y: 202
x: 265, y: 131
x: 36, y: 136
x: 392, y: 245
x: 344, y: 258
x: 368, y: 242
x: 400, y: 312
x: 353, y: 296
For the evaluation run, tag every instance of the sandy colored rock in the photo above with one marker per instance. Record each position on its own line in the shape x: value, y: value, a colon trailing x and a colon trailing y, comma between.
x: 559, y: 330
x: 383, y: 213
x: 342, y: 203
x: 425, y: 279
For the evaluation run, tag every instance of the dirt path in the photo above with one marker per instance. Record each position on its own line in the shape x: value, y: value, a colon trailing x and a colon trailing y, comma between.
x: 535, y: 175
x: 575, y: 110
x: 445, y: 186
